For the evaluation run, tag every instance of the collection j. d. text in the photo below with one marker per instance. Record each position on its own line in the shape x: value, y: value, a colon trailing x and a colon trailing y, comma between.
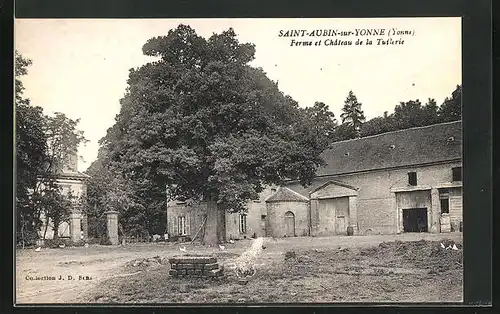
x: 347, y: 37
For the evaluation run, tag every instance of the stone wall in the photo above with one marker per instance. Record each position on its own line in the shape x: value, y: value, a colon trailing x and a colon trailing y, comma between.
x: 256, y: 217
x: 194, y: 216
x: 195, y: 266
x: 376, y: 203
x: 275, y: 220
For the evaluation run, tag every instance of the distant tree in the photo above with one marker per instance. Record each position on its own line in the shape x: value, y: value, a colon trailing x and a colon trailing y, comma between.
x: 63, y: 139
x: 430, y: 113
x: 378, y: 125
x: 409, y: 114
x: 451, y: 109
x: 322, y: 123
x: 352, y: 116
x: 204, y: 122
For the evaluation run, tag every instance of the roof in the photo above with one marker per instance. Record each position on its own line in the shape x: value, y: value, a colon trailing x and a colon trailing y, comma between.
x: 409, y: 147
x: 285, y: 194
x: 73, y: 174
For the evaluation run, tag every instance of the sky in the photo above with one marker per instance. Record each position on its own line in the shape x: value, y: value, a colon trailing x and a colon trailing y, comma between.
x: 80, y: 66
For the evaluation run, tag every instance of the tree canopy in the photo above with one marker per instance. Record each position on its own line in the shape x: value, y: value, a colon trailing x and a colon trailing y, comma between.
x: 412, y: 113
x: 204, y: 122
x: 451, y: 109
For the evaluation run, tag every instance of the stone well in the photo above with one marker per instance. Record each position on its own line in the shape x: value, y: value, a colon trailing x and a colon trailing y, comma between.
x: 195, y: 266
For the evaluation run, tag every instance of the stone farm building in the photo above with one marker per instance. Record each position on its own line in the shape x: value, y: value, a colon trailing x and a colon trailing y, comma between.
x: 402, y: 181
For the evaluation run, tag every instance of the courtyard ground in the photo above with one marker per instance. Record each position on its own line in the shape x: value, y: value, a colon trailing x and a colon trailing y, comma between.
x: 373, y: 268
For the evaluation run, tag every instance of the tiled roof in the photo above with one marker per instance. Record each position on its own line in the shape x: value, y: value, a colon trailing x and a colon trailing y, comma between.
x: 429, y: 144
x: 285, y: 194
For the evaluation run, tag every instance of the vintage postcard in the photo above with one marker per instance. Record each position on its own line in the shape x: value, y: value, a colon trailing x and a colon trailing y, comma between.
x: 238, y: 161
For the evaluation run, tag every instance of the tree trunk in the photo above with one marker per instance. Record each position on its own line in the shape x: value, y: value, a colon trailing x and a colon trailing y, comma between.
x: 56, y: 230
x: 46, y: 227
x: 214, y: 232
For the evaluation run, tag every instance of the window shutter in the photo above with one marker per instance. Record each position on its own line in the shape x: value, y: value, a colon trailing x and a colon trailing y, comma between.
x: 188, y: 224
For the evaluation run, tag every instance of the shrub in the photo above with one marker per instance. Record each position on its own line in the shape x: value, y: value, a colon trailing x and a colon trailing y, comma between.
x: 54, y: 243
x: 94, y: 240
x: 105, y: 241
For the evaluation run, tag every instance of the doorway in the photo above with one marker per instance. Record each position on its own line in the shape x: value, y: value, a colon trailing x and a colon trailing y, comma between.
x: 415, y: 220
x: 289, y: 224
x: 340, y: 224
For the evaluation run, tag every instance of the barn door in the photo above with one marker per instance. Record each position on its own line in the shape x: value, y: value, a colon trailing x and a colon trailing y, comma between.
x: 289, y: 224
x: 341, y: 215
x: 340, y: 224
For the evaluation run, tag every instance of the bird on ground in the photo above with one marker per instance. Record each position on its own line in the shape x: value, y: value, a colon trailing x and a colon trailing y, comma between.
x: 231, y: 241
x: 442, y: 246
x: 183, y: 249
x: 222, y: 247
x: 38, y: 249
x: 454, y: 247
x: 62, y: 245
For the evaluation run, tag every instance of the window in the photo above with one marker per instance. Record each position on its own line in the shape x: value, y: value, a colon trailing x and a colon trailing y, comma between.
x: 445, y: 202
x: 456, y: 173
x: 412, y: 178
x: 243, y: 223
x: 182, y: 225
x: 445, y: 206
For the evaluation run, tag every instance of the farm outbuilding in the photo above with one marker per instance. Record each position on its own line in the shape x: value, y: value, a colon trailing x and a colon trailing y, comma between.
x: 403, y: 181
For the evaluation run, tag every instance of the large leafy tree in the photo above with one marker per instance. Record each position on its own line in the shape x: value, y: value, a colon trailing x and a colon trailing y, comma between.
x: 31, y: 145
x: 107, y: 190
x: 352, y: 116
x: 204, y: 123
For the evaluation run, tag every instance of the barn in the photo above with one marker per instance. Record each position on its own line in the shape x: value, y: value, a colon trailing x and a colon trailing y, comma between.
x: 403, y: 181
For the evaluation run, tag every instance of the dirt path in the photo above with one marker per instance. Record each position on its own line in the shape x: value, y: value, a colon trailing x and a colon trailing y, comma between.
x: 74, y: 270
x: 89, y: 266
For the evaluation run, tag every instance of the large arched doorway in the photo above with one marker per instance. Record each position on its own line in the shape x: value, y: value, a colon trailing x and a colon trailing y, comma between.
x: 289, y: 224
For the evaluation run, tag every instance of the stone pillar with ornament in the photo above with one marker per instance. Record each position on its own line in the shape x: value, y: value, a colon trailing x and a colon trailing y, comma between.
x: 75, y: 226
